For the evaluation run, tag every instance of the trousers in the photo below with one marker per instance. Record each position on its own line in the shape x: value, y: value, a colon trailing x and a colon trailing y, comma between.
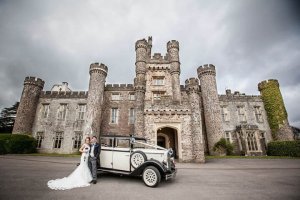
x: 93, y: 167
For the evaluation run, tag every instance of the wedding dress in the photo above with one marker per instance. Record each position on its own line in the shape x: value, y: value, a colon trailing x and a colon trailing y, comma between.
x: 80, y: 177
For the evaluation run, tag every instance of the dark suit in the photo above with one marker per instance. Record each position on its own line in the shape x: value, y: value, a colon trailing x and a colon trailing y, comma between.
x: 94, y: 160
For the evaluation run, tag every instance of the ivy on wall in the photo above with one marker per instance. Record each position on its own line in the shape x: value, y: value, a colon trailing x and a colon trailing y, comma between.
x: 274, y: 105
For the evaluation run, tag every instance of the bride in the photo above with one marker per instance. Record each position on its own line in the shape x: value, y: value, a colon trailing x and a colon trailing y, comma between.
x: 80, y: 177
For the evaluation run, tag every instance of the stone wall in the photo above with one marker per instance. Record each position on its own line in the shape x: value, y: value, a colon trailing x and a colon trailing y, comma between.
x: 27, y: 107
x: 123, y: 126
x: 51, y: 124
x: 231, y: 102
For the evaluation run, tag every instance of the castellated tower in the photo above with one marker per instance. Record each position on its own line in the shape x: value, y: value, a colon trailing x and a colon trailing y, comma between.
x: 211, y: 105
x: 173, y: 54
x: 276, y: 112
x: 192, y: 88
x: 28, y: 104
x: 98, y: 73
x: 142, y: 48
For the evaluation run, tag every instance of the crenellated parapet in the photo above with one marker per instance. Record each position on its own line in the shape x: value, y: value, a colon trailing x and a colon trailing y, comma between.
x: 119, y: 87
x: 207, y: 69
x: 173, y: 44
x: 30, y: 80
x: 98, y: 68
x: 64, y: 94
x: 267, y: 83
x: 192, y: 85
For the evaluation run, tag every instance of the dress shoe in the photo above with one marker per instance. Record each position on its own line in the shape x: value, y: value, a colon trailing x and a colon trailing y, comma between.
x: 94, y: 181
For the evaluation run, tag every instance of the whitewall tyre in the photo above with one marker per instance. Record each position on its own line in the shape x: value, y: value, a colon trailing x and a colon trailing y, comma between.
x: 151, y: 176
x: 137, y: 158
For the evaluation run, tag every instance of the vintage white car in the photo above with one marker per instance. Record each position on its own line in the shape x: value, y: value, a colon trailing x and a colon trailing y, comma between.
x: 133, y: 156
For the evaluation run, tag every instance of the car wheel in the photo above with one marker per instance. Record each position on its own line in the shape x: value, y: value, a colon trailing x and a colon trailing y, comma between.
x: 151, y: 176
x: 137, y: 158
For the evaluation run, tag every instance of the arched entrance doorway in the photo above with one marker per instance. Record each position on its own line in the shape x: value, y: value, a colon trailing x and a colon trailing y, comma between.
x: 167, y: 137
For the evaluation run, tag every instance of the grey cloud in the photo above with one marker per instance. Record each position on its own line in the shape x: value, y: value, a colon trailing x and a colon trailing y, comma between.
x: 248, y: 41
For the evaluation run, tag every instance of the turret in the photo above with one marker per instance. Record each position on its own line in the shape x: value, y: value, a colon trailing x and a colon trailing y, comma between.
x: 98, y: 73
x: 275, y: 109
x: 142, y: 49
x: 211, y: 105
x: 28, y: 104
x: 173, y: 55
x: 193, y: 90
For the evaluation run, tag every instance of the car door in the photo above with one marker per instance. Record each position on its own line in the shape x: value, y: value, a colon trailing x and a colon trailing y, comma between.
x: 106, y: 155
x: 121, y: 154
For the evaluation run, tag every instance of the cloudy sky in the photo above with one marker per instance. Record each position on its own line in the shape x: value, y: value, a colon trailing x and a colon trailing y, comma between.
x: 248, y: 41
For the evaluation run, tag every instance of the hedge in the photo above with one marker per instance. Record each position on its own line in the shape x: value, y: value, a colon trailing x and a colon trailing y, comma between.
x: 14, y: 143
x: 223, y: 146
x: 284, y: 148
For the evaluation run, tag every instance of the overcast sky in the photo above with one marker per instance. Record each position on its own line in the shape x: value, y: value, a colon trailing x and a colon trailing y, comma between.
x: 247, y: 41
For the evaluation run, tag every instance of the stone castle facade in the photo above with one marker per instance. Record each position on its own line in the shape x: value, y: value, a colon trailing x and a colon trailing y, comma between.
x: 189, y: 118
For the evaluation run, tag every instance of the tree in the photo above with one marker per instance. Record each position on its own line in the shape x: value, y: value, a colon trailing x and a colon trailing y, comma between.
x: 7, y: 118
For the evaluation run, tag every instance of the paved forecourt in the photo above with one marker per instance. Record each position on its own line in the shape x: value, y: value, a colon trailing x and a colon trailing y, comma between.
x: 25, y: 177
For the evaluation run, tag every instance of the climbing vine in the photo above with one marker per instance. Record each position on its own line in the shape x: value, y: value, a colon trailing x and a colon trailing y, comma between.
x: 274, y: 106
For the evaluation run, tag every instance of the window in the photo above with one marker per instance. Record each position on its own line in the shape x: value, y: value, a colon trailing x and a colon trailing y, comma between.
x: 228, y: 136
x: 45, y: 110
x: 62, y: 111
x: 39, y: 139
x: 251, y: 141
x: 157, y: 95
x: 131, y: 116
x: 58, y: 140
x: 241, y: 113
x: 77, y: 140
x: 131, y: 96
x: 115, y: 96
x: 81, y: 111
x: 106, y: 142
x: 114, y: 115
x: 258, y: 114
x: 158, y: 80
x: 122, y: 143
x: 225, y: 114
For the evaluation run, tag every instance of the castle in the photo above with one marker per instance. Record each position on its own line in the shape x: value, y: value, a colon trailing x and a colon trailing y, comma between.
x: 189, y: 118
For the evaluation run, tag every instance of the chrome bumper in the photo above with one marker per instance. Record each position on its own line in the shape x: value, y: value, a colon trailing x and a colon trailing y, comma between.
x: 171, y: 175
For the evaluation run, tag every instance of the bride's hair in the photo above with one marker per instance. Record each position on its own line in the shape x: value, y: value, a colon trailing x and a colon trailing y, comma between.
x: 87, y: 138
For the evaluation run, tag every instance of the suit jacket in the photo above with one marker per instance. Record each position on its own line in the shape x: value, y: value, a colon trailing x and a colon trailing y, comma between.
x: 97, y: 150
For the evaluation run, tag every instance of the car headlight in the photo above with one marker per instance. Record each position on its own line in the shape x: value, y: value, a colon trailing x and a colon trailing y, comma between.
x: 170, y: 152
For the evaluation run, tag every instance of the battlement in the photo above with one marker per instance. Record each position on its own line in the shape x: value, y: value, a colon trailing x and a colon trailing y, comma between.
x: 64, y: 94
x: 172, y: 44
x: 142, y: 43
x: 98, y: 68
x: 119, y: 87
x: 192, y: 82
x: 30, y: 80
x: 267, y: 83
x: 207, y: 69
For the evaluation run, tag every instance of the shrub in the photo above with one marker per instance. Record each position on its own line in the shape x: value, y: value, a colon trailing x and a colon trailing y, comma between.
x: 14, y: 143
x: 222, y: 146
x: 284, y: 148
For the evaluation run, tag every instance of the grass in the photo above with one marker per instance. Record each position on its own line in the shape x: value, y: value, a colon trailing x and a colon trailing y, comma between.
x: 251, y: 157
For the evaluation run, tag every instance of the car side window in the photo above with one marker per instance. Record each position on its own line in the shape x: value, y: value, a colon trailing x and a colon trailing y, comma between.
x: 106, y: 142
x: 122, y: 143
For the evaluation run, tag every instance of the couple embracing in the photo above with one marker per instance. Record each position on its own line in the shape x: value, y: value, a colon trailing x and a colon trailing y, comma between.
x: 86, y: 172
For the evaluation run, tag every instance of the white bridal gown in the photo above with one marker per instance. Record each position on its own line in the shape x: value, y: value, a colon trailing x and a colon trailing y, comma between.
x: 80, y: 177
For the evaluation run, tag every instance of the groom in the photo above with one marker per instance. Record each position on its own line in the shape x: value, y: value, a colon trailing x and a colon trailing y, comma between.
x: 94, y: 156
